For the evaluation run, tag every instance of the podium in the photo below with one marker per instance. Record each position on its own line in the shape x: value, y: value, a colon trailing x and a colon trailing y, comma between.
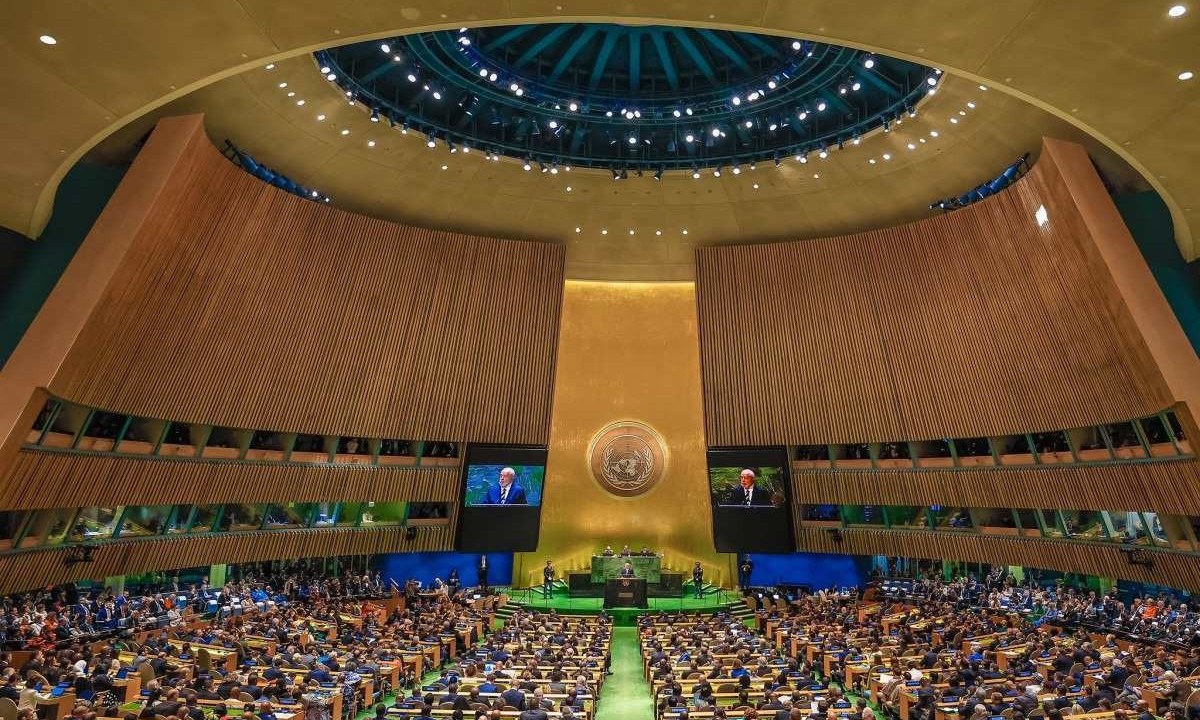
x: 625, y: 592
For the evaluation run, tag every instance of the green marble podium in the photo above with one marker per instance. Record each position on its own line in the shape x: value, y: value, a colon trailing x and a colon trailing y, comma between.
x: 646, y: 567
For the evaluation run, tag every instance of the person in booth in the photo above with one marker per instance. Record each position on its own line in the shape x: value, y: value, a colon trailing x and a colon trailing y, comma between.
x: 506, y: 491
x: 747, y: 493
x: 627, y: 570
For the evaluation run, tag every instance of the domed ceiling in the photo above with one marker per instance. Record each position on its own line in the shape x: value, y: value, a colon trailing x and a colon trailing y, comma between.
x: 626, y: 98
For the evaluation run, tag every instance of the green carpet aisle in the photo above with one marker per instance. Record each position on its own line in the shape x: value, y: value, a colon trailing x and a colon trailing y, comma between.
x: 626, y: 694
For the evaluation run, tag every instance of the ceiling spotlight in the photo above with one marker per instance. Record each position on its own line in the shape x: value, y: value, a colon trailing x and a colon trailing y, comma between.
x: 514, y: 87
x: 566, y: 168
x: 631, y: 231
x: 823, y: 154
x: 299, y: 102
x: 320, y: 117
x: 749, y: 124
x: 658, y: 173
x: 345, y: 131
x: 553, y: 124
x: 684, y: 231
x: 872, y: 161
x: 773, y: 127
x: 716, y: 132
x: 483, y: 72
x: 608, y: 113
x: 616, y: 174
x: 695, y: 173
x: 1175, y: 11
x: 676, y: 113
x: 519, y: 92
x: 971, y: 105
x: 931, y: 81
x: 841, y: 89
x: 493, y: 77
x: 1186, y: 75
x: 869, y: 62
x: 983, y: 87
x: 796, y: 45
x: 887, y: 156
x: 554, y: 171
x: 687, y: 111
x: 603, y: 231
x: 542, y: 167
x: 282, y: 84
x: 933, y: 133
x: 912, y: 147
x: 802, y: 158
x: 736, y: 100
x: 778, y: 162
x: 856, y: 86
x: 573, y: 107
x: 856, y: 140
x: 51, y: 40
x: 637, y: 113
x: 578, y: 229
x: 803, y: 114
x: 755, y: 186
x: 737, y: 170
x: 412, y: 77
x: 753, y: 96
x: 658, y: 232
x: 385, y: 47
x: 821, y: 107
x: 717, y: 171
x: 331, y: 77
x: 632, y: 140
x: 526, y: 166
x: 431, y: 143
x: 954, y: 121
x: 445, y: 167
x: 690, y: 137
x: 437, y: 95
x: 772, y: 84
x: 370, y: 143
x: 374, y: 115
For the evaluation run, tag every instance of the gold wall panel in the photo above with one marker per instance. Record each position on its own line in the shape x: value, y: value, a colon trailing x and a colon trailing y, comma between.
x: 627, y: 351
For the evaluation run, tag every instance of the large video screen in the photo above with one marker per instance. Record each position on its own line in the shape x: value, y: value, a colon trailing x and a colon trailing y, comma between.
x: 501, y: 498
x: 750, y: 505
x: 504, y: 485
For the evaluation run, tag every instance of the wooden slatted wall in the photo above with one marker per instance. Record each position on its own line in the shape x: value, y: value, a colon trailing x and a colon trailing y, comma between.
x: 1174, y: 569
x: 1171, y: 487
x: 48, y: 479
x: 973, y: 323
x: 39, y: 568
x: 242, y: 305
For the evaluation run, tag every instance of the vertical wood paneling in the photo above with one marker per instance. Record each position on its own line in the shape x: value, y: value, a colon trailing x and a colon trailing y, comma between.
x: 1173, y: 569
x: 973, y: 323
x: 243, y: 305
x: 41, y: 568
x: 48, y: 479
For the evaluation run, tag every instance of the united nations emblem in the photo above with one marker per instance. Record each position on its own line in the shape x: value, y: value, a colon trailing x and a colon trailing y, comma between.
x: 627, y: 458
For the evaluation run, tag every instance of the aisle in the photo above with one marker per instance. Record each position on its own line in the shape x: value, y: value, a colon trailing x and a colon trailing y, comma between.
x: 626, y: 694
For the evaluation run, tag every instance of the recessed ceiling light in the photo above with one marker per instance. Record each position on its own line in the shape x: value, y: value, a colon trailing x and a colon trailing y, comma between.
x: 578, y: 229
x: 631, y: 231
x: 270, y: 66
x: 685, y: 231
x: 933, y: 133
x: 912, y: 147
x: 445, y: 167
x: 345, y: 132
x: 872, y: 161
x: 971, y: 105
x: 603, y: 231
x: 320, y: 118
x: 1176, y: 11
x: 51, y: 40
x: 954, y: 120
x: 816, y: 176
x: 887, y: 156
x: 983, y: 87
x: 1186, y: 75
x: 299, y: 102
x: 291, y: 93
x: 755, y: 186
x: 370, y: 143
x: 568, y: 188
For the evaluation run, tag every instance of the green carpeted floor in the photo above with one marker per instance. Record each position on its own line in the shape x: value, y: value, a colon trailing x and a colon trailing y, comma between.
x: 626, y: 694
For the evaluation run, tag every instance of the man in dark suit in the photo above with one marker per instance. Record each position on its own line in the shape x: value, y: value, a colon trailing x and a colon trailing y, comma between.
x: 747, y: 493
x: 514, y: 698
x: 744, y: 569
x: 698, y: 578
x: 548, y: 579
x: 482, y: 571
x: 627, y: 570
x: 506, y: 491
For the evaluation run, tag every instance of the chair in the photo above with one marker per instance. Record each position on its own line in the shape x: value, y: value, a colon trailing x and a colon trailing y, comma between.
x: 245, y: 697
x: 204, y: 660
x: 727, y: 688
x: 8, y: 709
x: 146, y: 670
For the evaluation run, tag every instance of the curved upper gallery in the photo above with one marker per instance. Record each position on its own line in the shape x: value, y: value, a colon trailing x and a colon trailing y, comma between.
x: 1134, y: 109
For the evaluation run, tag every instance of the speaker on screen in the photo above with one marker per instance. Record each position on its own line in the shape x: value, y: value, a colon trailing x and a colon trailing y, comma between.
x: 501, y: 498
x: 750, y: 490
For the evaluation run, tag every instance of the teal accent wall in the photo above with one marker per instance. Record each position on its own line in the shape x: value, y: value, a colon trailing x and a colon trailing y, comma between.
x: 30, y: 268
x: 1149, y: 221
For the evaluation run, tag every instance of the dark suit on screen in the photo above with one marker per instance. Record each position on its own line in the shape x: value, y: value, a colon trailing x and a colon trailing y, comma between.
x: 760, y: 496
x: 516, y: 495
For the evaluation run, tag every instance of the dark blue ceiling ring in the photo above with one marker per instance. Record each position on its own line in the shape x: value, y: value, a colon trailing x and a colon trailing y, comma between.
x: 655, y: 70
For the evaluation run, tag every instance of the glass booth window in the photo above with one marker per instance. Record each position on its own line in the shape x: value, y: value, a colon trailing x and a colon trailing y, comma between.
x: 145, y: 520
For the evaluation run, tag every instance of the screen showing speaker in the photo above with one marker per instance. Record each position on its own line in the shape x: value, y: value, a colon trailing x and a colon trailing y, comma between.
x: 750, y: 490
x: 501, y: 498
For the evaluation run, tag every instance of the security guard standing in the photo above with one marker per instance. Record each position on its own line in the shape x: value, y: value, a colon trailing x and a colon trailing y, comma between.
x: 548, y: 579
x: 698, y: 579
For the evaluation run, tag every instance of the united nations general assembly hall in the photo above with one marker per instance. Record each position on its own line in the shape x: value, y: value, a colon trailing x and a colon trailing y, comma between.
x: 598, y: 360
